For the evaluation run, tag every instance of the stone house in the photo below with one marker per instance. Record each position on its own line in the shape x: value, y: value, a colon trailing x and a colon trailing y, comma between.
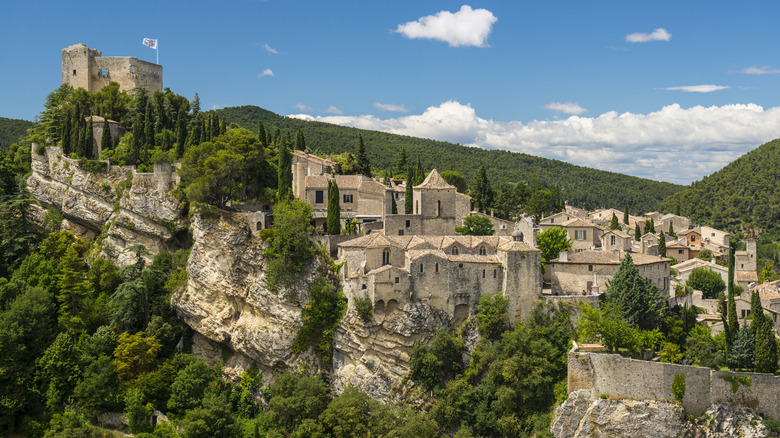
x: 448, y: 272
x: 715, y: 237
x: 679, y: 223
x: 616, y: 239
x: 648, y: 244
x: 576, y: 211
x: 557, y: 218
x: 685, y: 268
x: 589, y: 271
x: 745, y: 263
x: 98, y: 124
x: 584, y: 235
x: 678, y: 250
x: 604, y: 216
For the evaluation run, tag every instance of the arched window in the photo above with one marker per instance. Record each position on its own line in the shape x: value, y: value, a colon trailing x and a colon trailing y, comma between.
x: 482, y: 250
x: 386, y: 256
x: 455, y: 250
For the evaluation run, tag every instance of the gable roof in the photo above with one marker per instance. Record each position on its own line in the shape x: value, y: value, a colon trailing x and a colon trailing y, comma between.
x: 577, y: 222
x: 597, y: 257
x: 434, y: 181
x: 618, y: 233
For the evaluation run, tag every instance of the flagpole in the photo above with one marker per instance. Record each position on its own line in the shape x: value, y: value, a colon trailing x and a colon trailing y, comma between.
x: 158, y: 52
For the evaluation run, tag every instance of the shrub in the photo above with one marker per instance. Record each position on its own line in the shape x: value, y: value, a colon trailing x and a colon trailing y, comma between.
x: 93, y: 166
x: 364, y: 308
x: 52, y: 220
x: 40, y: 149
x: 678, y: 386
x: 708, y: 282
x: 603, y: 396
x: 320, y: 318
x: 493, y: 319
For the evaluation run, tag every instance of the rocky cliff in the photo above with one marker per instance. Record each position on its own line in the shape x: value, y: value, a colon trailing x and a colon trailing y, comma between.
x: 580, y: 417
x: 118, y: 205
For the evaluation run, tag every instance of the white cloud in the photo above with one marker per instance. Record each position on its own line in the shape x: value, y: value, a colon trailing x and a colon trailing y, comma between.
x: 467, y: 27
x: 215, y: 107
x: 266, y: 72
x: 303, y: 107
x: 333, y: 110
x: 672, y: 144
x: 659, y: 34
x: 565, y: 107
x: 390, y: 107
x: 756, y: 70
x: 698, y: 88
x: 270, y: 49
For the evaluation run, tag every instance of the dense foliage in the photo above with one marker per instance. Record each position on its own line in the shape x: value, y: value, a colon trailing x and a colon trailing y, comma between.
x: 580, y: 186
x: 12, y: 130
x: 636, y: 296
x: 707, y: 281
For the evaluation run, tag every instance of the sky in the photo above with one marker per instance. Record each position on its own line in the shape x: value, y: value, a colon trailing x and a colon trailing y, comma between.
x: 666, y: 90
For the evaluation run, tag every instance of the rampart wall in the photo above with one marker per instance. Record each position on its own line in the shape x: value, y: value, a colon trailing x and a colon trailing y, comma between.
x: 617, y: 376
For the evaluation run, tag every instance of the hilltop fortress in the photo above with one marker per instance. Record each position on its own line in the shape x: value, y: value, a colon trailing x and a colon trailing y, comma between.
x: 89, y: 69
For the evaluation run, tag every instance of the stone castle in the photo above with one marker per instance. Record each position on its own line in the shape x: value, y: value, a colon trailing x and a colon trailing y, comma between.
x: 89, y: 69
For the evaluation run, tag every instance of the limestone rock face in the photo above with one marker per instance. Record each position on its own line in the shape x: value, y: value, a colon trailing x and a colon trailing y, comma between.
x: 120, y: 205
x: 580, y: 417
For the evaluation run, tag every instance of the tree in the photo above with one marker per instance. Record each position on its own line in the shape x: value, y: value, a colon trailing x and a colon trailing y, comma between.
x: 409, y: 193
x: 363, y: 165
x: 293, y: 399
x: 662, y: 245
x: 59, y: 370
x: 552, y: 241
x: 105, y: 139
x: 637, y: 233
x: 434, y: 364
x: 732, y: 327
x: 768, y: 273
x: 73, y: 291
x: 625, y: 216
x: 481, y: 192
x: 320, y: 318
x: 671, y: 229
x: 353, y: 414
x: 637, y: 296
x: 210, y: 174
x: 766, y: 344
x: 605, y: 324
x: 403, y: 160
x: 138, y: 413
x: 261, y: 133
x: 190, y: 385
x: 705, y: 254
x: 333, y: 220
x: 613, y: 224
x: 393, y: 204
x: 284, y: 186
x: 195, y: 104
x: 300, y: 141
x: 135, y: 354
x: 214, y: 419
x: 492, y: 317
x: 456, y: 179
x: 289, y: 247
x: 476, y: 225
x: 708, y: 282
x: 743, y: 349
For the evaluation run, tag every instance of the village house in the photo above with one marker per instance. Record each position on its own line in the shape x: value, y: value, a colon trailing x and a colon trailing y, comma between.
x: 679, y: 223
x: 557, y: 218
x: 616, y: 239
x: 587, y: 272
x: 678, y: 251
x: 576, y: 211
x: 584, y: 235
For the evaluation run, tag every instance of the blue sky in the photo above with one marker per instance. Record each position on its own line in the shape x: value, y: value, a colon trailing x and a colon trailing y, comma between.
x: 665, y: 90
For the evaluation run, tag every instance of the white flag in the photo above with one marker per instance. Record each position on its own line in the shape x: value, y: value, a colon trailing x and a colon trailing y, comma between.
x: 150, y: 43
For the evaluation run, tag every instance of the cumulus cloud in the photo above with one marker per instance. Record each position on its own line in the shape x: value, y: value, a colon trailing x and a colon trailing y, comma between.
x: 303, y: 107
x: 756, y: 70
x: 390, y: 107
x: 466, y: 27
x: 698, y: 88
x: 659, y: 34
x: 270, y: 49
x: 672, y: 144
x: 565, y: 107
x: 333, y: 110
x: 266, y: 72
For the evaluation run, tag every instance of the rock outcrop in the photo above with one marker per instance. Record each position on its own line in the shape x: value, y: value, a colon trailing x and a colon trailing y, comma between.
x: 580, y: 417
x: 118, y: 205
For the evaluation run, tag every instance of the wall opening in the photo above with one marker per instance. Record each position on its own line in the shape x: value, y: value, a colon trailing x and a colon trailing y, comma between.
x: 379, y: 307
x: 460, y: 315
x: 392, y: 306
x: 385, y: 256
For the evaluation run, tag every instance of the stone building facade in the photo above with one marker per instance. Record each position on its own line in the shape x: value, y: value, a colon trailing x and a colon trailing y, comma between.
x: 449, y: 272
x: 87, y: 68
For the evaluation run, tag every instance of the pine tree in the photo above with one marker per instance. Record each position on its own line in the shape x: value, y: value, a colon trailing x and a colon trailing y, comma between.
x: 300, y: 141
x: 333, y: 220
x: 625, y: 216
x: 662, y: 245
x: 195, y: 105
x: 403, y: 159
x: 105, y: 139
x: 408, y: 201
x: 613, y: 224
x: 766, y: 345
x: 73, y: 290
x: 284, y: 188
x: 637, y: 296
x: 363, y: 165
x: 261, y: 135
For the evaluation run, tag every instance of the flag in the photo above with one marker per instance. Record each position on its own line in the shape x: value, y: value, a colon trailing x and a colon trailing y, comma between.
x: 150, y: 43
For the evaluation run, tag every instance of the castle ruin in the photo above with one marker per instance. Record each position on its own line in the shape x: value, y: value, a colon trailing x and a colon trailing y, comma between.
x: 87, y: 68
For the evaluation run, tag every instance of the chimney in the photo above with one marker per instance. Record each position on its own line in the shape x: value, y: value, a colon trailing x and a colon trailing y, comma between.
x: 563, y: 256
x: 615, y: 255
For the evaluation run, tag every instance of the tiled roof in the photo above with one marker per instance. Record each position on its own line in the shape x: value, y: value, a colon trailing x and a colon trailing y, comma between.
x: 606, y: 258
x: 314, y: 158
x: 434, y: 181
x: 577, y: 222
x: 618, y: 233
x: 749, y: 276
x: 438, y: 243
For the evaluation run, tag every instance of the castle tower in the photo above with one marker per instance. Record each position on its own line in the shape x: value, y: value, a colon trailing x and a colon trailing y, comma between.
x: 434, y: 197
x: 522, y: 283
x: 750, y: 262
x: 87, y: 68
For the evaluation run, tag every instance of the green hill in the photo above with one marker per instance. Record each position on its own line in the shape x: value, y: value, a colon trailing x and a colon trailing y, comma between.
x: 744, y: 194
x: 581, y: 186
x: 11, y: 130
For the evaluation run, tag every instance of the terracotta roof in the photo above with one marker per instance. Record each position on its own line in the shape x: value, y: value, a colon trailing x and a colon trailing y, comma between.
x: 688, y: 231
x: 677, y: 245
x: 434, y: 181
x: 618, y: 233
x: 749, y: 276
x: 577, y: 222
x: 605, y: 258
x: 314, y: 158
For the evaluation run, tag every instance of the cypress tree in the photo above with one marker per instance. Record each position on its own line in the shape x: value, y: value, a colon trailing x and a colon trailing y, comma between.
x: 625, y: 216
x: 613, y: 224
x: 419, y: 173
x: 261, y: 135
x: 671, y: 229
x: 408, y: 201
x: 637, y: 233
x: 222, y: 126
x: 363, y: 165
x: 394, y: 205
x: 148, y: 132
x: 284, y: 187
x: 300, y: 141
x: 195, y: 105
x: 403, y: 159
x: 333, y: 220
x: 755, y: 311
x: 105, y: 140
x: 733, y: 323
x: 481, y: 192
x: 75, y: 134
x: 181, y: 136
x: 662, y: 245
x: 766, y: 345
x: 66, y: 137
x: 652, y: 225
x: 88, y: 140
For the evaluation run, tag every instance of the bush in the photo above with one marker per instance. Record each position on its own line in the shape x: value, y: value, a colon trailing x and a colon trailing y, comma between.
x: 493, y: 319
x: 364, y: 308
x: 40, y: 149
x: 93, y: 166
x: 678, y: 386
x: 708, y: 282
x: 434, y: 364
x: 320, y: 317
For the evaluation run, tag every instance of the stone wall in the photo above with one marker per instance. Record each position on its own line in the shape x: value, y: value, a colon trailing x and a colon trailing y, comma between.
x: 617, y: 376
x: 89, y: 69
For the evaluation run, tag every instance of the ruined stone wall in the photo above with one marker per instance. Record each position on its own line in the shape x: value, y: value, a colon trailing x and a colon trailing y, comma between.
x: 616, y: 376
x: 522, y: 282
x: 87, y: 68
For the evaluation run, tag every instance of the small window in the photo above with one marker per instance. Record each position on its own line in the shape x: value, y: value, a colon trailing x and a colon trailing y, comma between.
x: 437, y: 267
x: 590, y: 268
x: 400, y: 232
x: 612, y: 240
x: 502, y: 227
x: 421, y: 267
x: 74, y: 72
x: 579, y: 234
x: 482, y: 250
x: 483, y: 273
x: 397, y: 280
x: 364, y: 287
x: 552, y: 220
x: 103, y: 72
x: 347, y: 199
x: 408, y: 223
x: 417, y: 207
x: 693, y: 238
x: 713, y: 234
x: 495, y: 273
x: 319, y: 197
x: 132, y: 69
x: 460, y: 265
x: 680, y: 251
x: 385, y: 256
x: 455, y: 250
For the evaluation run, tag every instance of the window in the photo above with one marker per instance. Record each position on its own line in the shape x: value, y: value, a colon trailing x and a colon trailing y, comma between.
x: 693, y: 238
x: 502, y: 227
x: 132, y: 69
x: 438, y: 208
x: 319, y: 197
x: 495, y: 273
x: 347, y: 199
x: 103, y: 72
x: 386, y: 256
x: 579, y: 234
x: 713, y: 234
x: 590, y: 268
x: 460, y: 265
x: 612, y: 240
x: 400, y: 232
x: 680, y: 251
x: 483, y: 273
x: 482, y: 250
x: 397, y: 280
x: 437, y: 267
x: 408, y: 223
x: 74, y: 72
x: 421, y: 267
x: 455, y: 250
x: 363, y: 287
x: 552, y: 220
x: 417, y: 207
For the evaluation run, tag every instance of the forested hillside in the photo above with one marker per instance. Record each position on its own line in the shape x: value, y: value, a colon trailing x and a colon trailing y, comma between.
x: 11, y: 130
x: 742, y: 195
x: 580, y: 186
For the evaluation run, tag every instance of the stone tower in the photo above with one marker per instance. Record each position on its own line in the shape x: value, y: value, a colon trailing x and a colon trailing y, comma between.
x: 87, y: 68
